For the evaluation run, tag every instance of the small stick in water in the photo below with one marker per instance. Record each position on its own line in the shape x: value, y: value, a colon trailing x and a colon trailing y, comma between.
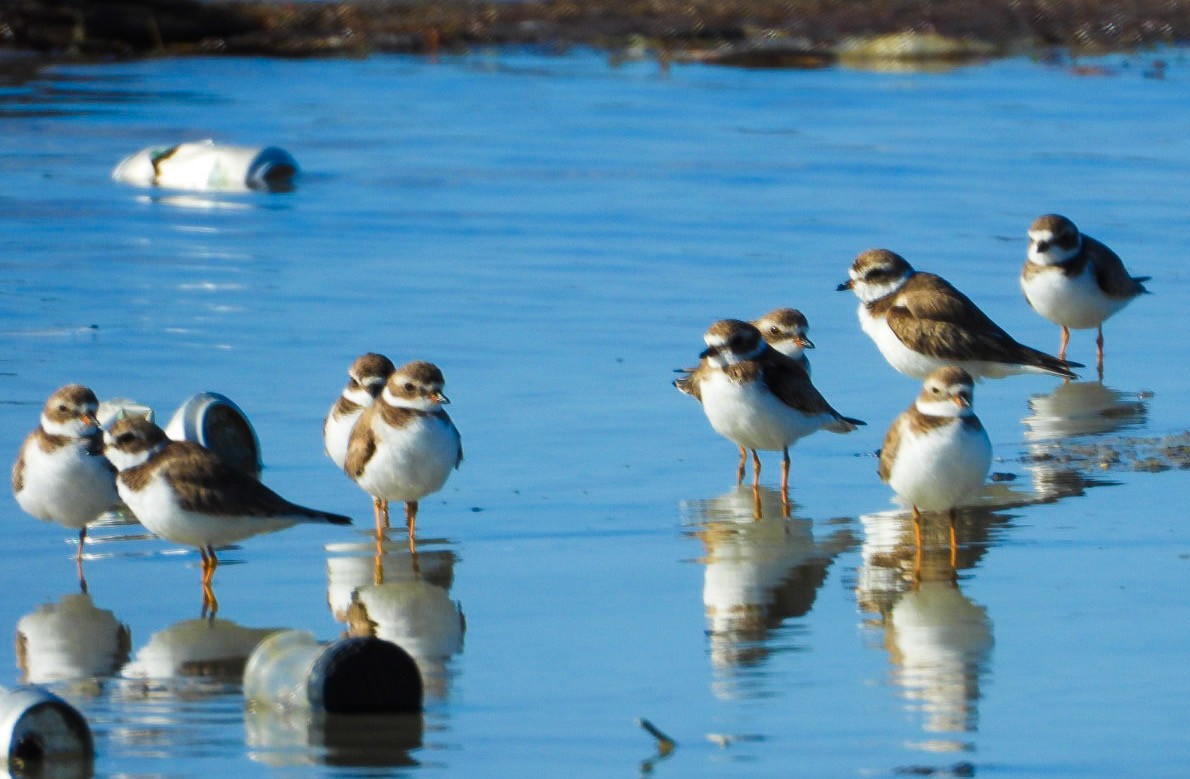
x: 665, y: 744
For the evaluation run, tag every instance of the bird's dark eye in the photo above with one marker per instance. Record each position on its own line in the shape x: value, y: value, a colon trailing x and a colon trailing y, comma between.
x: 935, y: 390
x: 774, y: 330
x: 124, y: 438
x: 409, y: 386
x: 63, y: 408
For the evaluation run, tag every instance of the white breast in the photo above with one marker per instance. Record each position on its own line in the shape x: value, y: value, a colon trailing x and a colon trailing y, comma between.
x: 336, y: 434
x: 411, y: 461
x: 898, y: 355
x: 919, y: 365
x: 941, y: 468
x: 67, y: 486
x: 751, y: 416
x: 1071, y: 301
x: 156, y: 507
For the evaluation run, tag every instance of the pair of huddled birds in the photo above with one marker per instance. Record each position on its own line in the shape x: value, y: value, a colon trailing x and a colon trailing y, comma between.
x: 402, y: 447
x: 754, y: 379
x: 390, y: 434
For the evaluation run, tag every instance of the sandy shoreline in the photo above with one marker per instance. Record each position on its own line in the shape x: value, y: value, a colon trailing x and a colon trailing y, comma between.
x: 756, y: 33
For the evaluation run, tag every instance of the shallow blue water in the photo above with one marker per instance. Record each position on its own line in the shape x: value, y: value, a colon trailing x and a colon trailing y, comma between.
x: 556, y: 233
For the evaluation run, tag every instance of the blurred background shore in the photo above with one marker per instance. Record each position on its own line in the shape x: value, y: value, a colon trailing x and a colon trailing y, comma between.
x: 751, y: 33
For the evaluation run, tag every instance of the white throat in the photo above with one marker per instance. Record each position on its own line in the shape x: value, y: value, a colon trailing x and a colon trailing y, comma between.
x: 418, y: 404
x: 942, y: 408
x: 357, y: 395
x: 75, y: 428
x: 1055, y: 254
x: 868, y: 291
x: 125, y: 460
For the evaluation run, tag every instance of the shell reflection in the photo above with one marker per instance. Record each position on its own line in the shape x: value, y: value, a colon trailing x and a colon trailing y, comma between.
x: 938, y: 640
x: 310, y: 738
x: 384, y: 590
x: 761, y: 570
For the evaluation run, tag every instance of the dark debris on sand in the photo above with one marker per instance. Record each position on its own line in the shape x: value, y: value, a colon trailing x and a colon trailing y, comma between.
x: 772, y: 33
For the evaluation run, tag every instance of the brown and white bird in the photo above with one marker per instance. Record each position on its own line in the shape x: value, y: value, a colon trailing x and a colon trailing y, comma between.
x: 365, y: 380
x: 1075, y: 281
x: 185, y: 493
x: 405, y: 445
x: 60, y: 474
x: 936, y: 453
x: 785, y: 329
x: 757, y: 397
x: 921, y: 323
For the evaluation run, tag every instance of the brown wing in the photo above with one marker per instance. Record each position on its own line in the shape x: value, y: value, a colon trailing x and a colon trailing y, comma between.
x: 788, y: 380
x: 689, y: 383
x: 933, y: 299
x: 206, y: 484
x: 18, y: 470
x: 362, y: 444
x: 1109, y: 270
x: 932, y: 317
x: 888, y: 450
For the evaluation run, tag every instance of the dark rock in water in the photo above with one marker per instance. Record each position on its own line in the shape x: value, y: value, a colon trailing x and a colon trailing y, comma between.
x: 750, y: 33
x: 124, y: 27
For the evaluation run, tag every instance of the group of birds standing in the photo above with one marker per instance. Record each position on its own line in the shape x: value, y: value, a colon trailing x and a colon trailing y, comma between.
x: 753, y: 379
x: 389, y: 432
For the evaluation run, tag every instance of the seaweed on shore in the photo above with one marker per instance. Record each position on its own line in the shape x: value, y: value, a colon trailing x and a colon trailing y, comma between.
x: 778, y: 33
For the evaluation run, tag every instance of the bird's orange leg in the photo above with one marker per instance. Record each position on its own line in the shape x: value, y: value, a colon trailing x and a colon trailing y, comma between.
x: 785, y: 480
x: 916, y: 544
x: 954, y: 541
x: 411, y: 523
x: 78, y: 561
x: 755, y: 470
x: 1065, y: 343
x: 210, y: 604
x: 739, y: 471
x: 380, y: 510
x: 1099, y: 352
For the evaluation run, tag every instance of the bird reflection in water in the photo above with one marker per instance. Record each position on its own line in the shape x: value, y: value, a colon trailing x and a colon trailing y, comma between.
x: 194, y: 657
x: 383, y: 589
x: 1079, y: 408
x: 762, y: 568
x: 71, y: 641
x: 939, y: 641
x: 1061, y: 463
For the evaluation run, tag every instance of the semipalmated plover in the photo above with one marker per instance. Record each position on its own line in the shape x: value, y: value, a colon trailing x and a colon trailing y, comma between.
x: 1075, y: 281
x: 921, y: 323
x: 405, y: 445
x: 757, y: 397
x: 785, y: 329
x: 365, y: 380
x: 60, y: 474
x: 185, y: 493
x: 936, y: 453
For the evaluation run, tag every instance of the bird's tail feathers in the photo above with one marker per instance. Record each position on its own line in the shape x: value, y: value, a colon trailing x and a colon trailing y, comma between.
x: 844, y: 424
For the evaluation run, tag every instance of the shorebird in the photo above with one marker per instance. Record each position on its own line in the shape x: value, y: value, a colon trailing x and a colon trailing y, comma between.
x: 1075, y: 281
x: 921, y: 323
x: 757, y: 397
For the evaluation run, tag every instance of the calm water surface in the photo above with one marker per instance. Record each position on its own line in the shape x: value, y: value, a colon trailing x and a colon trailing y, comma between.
x: 556, y: 234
